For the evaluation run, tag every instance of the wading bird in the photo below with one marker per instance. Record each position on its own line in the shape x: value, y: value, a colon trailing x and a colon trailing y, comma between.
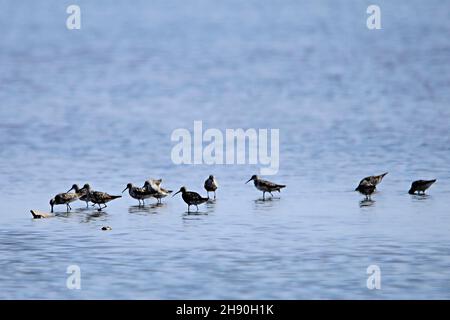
x: 191, y: 198
x: 138, y: 193
x: 211, y: 185
x: 265, y: 186
x: 374, y: 180
x: 66, y: 197
x: 420, y: 186
x: 366, y: 189
x: 154, y: 186
x: 86, y: 195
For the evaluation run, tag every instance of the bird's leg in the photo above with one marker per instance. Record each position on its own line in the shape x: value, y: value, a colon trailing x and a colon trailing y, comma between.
x: 67, y: 207
x: 188, y: 207
x: 70, y: 208
x: 271, y: 194
x: 214, y: 194
x: 197, y: 207
x: 52, y: 209
x: 87, y: 204
x: 143, y: 202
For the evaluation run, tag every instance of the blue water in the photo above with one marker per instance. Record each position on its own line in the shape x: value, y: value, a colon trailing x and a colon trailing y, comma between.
x: 99, y: 104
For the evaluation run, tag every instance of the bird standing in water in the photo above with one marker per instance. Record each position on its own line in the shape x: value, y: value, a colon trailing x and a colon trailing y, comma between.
x: 420, y: 186
x: 211, y: 185
x: 86, y: 194
x: 191, y: 198
x: 98, y: 197
x: 366, y: 188
x: 154, y: 186
x: 265, y: 186
x: 66, y: 197
x: 138, y: 193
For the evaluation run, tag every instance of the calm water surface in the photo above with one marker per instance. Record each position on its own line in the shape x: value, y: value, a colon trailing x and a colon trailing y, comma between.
x: 98, y: 105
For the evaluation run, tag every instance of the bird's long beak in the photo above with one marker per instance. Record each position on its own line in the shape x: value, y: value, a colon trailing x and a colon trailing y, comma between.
x: 70, y: 189
x: 176, y: 193
x: 124, y: 189
x: 248, y: 180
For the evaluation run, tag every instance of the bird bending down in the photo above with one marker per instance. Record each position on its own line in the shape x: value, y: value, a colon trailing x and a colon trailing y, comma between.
x: 138, y: 193
x: 420, y: 186
x: 366, y: 188
x: 66, y: 197
x: 211, y: 185
x: 374, y: 180
x: 191, y: 198
x: 154, y: 186
x: 265, y: 186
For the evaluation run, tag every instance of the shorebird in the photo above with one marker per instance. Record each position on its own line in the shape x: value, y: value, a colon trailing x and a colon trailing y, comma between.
x: 366, y: 188
x: 265, y: 186
x: 211, y: 185
x: 420, y: 185
x: 374, y: 180
x: 99, y: 198
x: 191, y: 198
x: 138, y: 193
x: 86, y: 196
x: 154, y: 186
x: 66, y: 197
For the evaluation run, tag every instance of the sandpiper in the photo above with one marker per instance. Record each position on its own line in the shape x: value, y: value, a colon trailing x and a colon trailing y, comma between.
x: 265, y: 186
x: 138, y: 193
x: 420, y: 186
x: 86, y: 196
x: 211, y: 185
x: 99, y: 198
x: 66, y: 197
x: 154, y: 186
x: 374, y: 180
x: 366, y: 188
x: 191, y: 198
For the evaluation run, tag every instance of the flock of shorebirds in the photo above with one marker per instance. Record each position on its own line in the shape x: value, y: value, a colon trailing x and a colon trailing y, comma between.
x: 152, y: 189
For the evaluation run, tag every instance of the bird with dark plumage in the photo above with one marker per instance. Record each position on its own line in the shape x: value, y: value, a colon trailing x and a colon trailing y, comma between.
x: 211, y: 185
x: 374, y: 180
x: 366, y: 188
x: 86, y: 194
x: 98, y: 197
x: 66, y: 197
x: 265, y: 186
x: 138, y: 193
x: 420, y: 186
x: 190, y: 197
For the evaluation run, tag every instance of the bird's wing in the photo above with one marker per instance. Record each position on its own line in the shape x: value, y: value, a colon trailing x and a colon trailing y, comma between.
x: 269, y: 184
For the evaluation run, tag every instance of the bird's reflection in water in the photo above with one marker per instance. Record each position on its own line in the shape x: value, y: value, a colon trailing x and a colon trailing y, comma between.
x: 267, y: 203
x: 152, y: 208
x: 210, y: 204
x: 420, y: 197
x: 366, y: 203
x: 194, y: 215
x: 96, y: 215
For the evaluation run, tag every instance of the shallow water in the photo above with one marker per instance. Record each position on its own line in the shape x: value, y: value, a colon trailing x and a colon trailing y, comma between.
x: 98, y: 105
